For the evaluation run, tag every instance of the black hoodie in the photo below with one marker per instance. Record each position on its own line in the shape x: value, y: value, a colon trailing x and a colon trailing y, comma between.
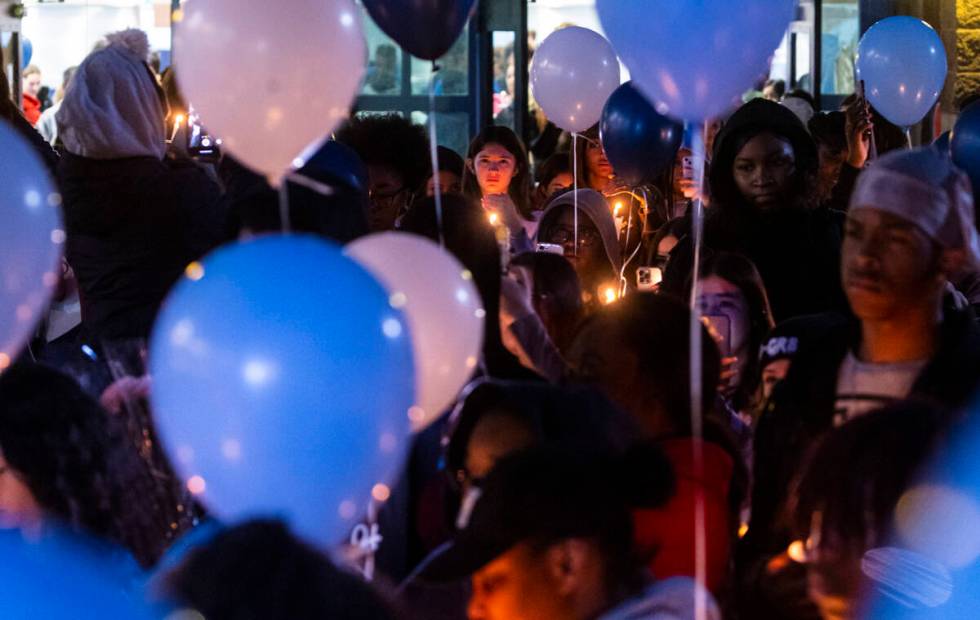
x: 795, y: 246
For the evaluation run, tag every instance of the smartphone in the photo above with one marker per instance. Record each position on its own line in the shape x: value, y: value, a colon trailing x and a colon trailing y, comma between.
x: 872, y: 147
x: 721, y: 328
x: 200, y: 144
x: 687, y: 168
x: 648, y: 278
x: 551, y: 248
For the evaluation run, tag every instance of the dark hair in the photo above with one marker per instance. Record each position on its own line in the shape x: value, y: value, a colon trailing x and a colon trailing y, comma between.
x: 520, y: 184
x: 805, y: 95
x: 856, y: 474
x: 82, y: 466
x: 171, y: 89
x: 581, y: 152
x: 260, y: 570
x: 828, y: 129
x: 778, y: 86
x: 557, y: 163
x: 450, y: 161
x: 390, y: 140
x: 556, y: 283
x: 471, y: 239
x: 656, y: 330
x: 742, y: 272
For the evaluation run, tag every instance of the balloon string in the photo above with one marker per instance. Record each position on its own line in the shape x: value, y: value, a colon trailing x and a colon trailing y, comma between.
x: 908, y: 137
x: 284, y: 206
x: 575, y: 191
x: 697, y: 430
x: 434, y: 152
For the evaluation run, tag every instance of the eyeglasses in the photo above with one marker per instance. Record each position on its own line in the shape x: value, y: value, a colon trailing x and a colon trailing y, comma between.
x: 387, y: 200
x: 587, y: 237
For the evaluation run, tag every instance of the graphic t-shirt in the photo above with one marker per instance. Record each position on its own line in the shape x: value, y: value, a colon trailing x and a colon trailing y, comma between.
x: 864, y: 387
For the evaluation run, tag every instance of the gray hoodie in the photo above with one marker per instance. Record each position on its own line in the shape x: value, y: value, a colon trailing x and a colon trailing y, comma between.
x: 670, y: 599
x: 591, y: 204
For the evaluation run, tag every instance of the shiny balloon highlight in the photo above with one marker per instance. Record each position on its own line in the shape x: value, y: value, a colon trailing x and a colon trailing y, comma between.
x: 443, y: 308
x: 283, y: 379
x: 292, y: 83
x: 573, y: 72
x: 902, y: 62
x: 32, y: 240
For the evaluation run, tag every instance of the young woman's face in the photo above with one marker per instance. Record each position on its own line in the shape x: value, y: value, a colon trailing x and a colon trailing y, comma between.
x: 724, y: 306
x: 449, y: 183
x: 764, y: 169
x: 562, y: 180
x: 599, y: 165
x: 494, y: 167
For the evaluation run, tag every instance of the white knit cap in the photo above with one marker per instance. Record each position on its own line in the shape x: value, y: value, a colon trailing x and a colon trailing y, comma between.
x: 925, y: 188
x: 112, y: 109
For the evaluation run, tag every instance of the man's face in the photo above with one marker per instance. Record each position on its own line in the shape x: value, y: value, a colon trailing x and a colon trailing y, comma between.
x: 888, y: 265
x: 388, y: 196
x: 590, y: 262
x: 32, y: 84
x: 764, y: 169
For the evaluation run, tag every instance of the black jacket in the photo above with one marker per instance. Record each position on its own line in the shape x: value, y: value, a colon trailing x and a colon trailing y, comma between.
x: 133, y: 226
x: 796, y: 247
x: 802, y: 409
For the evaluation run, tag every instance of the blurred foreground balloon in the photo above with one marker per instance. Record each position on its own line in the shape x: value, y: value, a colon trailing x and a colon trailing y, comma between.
x: 942, y: 143
x: 270, y: 79
x: 694, y: 58
x: 573, y: 72
x: 31, y: 241
x: 424, y: 28
x: 639, y: 142
x: 443, y: 308
x: 283, y: 379
x: 964, y: 144
x: 902, y: 62
x: 57, y: 575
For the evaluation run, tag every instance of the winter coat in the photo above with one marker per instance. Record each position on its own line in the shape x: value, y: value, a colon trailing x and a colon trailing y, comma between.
x: 802, y: 409
x: 133, y: 225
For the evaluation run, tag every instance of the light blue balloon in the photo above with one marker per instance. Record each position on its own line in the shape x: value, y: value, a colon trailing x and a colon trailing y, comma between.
x: 62, y: 575
x: 694, y: 58
x: 31, y: 241
x: 282, y: 379
x: 27, y: 52
x: 902, y: 61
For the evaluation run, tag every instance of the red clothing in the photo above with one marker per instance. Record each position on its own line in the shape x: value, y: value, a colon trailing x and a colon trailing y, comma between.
x: 666, y: 535
x: 32, y: 109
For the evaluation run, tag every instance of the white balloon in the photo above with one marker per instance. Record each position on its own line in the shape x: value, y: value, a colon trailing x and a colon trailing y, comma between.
x: 572, y: 75
x: 270, y: 79
x: 31, y: 241
x: 443, y: 308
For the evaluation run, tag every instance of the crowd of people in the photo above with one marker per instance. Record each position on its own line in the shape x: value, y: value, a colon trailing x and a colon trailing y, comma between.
x: 576, y: 477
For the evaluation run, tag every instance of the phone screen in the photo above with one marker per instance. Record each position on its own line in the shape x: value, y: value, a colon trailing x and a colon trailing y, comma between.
x: 200, y: 143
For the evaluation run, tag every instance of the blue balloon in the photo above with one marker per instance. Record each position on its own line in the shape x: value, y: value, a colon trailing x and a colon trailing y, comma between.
x: 942, y: 143
x: 282, y: 381
x: 695, y: 58
x: 27, y: 52
x: 62, y: 575
x: 902, y: 62
x: 964, y: 144
x: 639, y: 141
x: 335, y: 162
x: 32, y: 237
x: 424, y: 28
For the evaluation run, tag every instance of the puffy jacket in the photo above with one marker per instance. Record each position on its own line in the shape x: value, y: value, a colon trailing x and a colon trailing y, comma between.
x: 133, y: 226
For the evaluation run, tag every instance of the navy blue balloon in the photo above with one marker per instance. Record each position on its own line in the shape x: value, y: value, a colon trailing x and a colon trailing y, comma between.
x: 941, y: 143
x: 965, y: 144
x: 424, y: 28
x: 335, y: 163
x: 639, y: 141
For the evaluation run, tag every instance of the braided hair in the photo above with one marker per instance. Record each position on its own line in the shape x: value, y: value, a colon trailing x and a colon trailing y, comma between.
x: 81, y: 465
